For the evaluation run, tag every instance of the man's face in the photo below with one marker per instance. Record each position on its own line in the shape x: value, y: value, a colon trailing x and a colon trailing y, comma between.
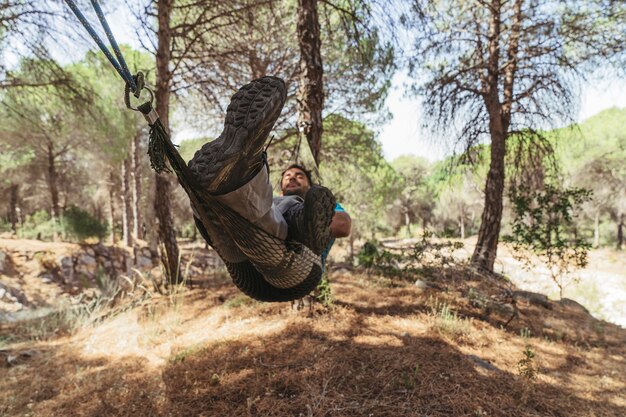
x: 295, y: 182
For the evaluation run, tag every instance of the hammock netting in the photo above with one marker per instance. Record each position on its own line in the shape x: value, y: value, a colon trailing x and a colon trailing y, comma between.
x: 266, y: 268
x: 261, y: 265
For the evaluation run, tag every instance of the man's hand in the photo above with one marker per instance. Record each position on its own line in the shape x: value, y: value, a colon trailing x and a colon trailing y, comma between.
x: 341, y: 224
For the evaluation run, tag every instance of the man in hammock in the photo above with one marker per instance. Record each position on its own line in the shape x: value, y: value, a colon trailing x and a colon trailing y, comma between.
x: 268, y: 260
x: 295, y: 183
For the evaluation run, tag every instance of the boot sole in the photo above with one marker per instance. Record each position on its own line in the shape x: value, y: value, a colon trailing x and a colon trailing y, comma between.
x: 319, y: 208
x: 251, y: 115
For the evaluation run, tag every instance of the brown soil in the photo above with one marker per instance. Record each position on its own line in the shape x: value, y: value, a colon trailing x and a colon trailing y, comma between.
x: 384, y: 349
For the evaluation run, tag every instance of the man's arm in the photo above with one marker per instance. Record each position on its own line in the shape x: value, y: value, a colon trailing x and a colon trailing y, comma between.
x: 341, y: 224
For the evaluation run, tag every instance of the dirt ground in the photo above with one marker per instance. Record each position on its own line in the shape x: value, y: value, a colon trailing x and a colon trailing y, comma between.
x: 453, y: 347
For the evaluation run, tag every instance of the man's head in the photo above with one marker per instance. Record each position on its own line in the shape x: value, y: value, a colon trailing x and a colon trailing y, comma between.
x: 295, y: 180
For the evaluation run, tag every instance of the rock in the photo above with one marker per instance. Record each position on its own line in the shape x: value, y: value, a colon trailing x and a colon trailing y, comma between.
x: 503, y: 309
x: 66, y: 265
x: 14, y: 358
x: 86, y: 265
x: 144, y: 262
x: 482, y: 363
x: 3, y: 262
x: 574, y: 305
x: 13, y: 297
x: 422, y: 285
x: 533, y: 298
x: 87, y: 259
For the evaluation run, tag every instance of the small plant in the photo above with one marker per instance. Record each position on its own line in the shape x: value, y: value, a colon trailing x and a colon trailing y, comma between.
x: 374, y: 257
x: 410, y: 377
x: 526, y: 365
x: 324, y: 294
x: 447, y: 322
x: 239, y: 300
x: 543, y: 225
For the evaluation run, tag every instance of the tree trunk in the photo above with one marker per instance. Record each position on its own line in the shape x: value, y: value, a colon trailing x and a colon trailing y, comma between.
x: 596, y: 229
x: 407, y: 223
x: 167, y: 237
x: 53, y: 182
x: 462, y: 226
x: 352, y: 248
x: 485, y: 252
x: 126, y: 203
x: 620, y: 232
x: 162, y: 206
x: 14, y: 191
x: 488, y: 235
x: 135, y: 175
x: 53, y: 188
x: 112, y: 209
x: 310, y: 95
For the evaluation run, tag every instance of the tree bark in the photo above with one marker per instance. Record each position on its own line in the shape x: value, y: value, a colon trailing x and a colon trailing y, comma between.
x: 126, y: 203
x: 52, y: 180
x: 596, y: 229
x: 462, y: 226
x: 111, y: 210
x: 620, y: 232
x: 14, y: 195
x: 310, y: 96
x: 135, y: 175
x: 407, y: 222
x: 162, y: 206
x: 489, y: 233
x: 485, y: 252
x: 167, y: 237
x: 53, y: 188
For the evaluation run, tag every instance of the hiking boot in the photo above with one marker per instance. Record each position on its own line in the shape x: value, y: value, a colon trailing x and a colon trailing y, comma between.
x: 309, y: 222
x: 235, y: 157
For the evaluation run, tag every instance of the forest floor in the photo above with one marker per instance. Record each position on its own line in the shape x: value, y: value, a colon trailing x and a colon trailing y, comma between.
x: 459, y: 344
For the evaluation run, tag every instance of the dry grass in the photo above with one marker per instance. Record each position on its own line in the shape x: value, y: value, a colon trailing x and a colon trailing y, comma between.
x: 380, y: 351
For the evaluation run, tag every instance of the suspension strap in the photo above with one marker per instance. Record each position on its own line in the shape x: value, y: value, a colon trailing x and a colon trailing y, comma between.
x: 296, y: 153
x: 120, y: 67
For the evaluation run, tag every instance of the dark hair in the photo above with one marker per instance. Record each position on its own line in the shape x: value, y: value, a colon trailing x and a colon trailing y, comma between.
x: 301, y: 168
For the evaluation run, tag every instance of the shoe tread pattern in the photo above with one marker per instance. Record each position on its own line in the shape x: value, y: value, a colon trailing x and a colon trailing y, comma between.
x: 250, y: 116
x: 319, y: 208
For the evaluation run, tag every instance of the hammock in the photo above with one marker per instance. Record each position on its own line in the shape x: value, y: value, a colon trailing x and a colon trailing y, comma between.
x: 275, y: 270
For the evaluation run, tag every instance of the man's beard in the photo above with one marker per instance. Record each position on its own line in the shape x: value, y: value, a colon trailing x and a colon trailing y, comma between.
x: 294, y: 191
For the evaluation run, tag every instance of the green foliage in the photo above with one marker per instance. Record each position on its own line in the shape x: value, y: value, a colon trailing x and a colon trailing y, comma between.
x: 324, y: 294
x: 416, y: 199
x: 526, y: 365
x: 80, y: 224
x: 188, y: 148
x: 375, y: 257
x: 75, y: 225
x: 13, y: 159
x: 543, y: 223
x: 355, y: 169
x: 425, y: 256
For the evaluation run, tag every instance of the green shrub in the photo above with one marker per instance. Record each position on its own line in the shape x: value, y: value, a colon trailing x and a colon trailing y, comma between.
x: 424, y: 256
x: 543, y: 224
x: 38, y: 225
x: 81, y: 225
x: 75, y: 224
x: 324, y: 294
